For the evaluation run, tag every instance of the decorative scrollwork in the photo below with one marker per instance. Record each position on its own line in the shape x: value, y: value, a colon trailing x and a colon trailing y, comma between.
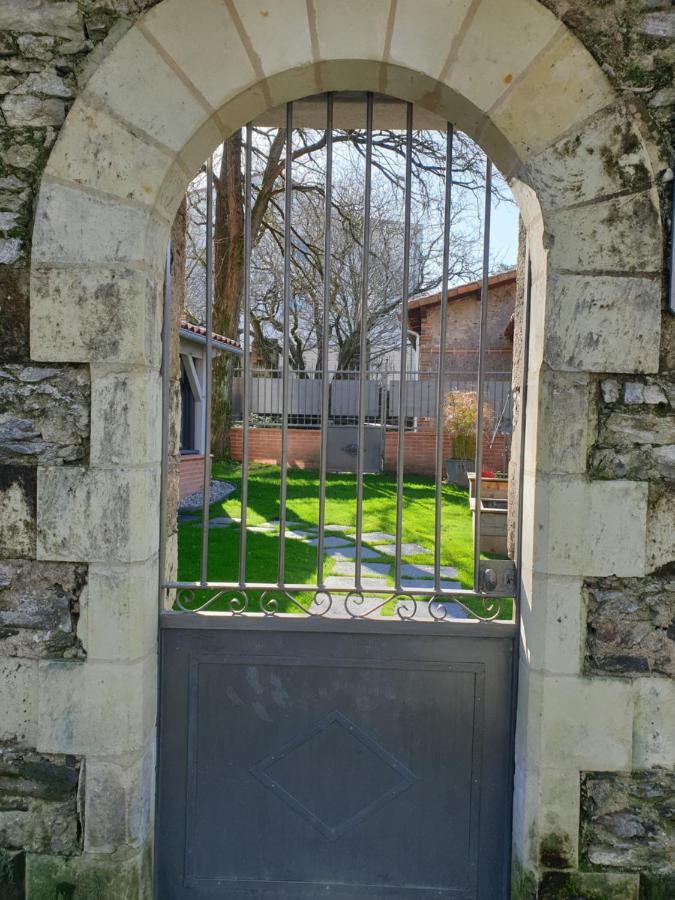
x: 320, y: 603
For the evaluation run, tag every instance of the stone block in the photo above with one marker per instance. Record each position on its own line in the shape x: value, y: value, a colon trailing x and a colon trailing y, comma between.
x: 100, y: 153
x: 348, y: 29
x: 607, y: 157
x: 590, y: 528
x: 217, y: 64
x: 118, y: 801
x: 622, y: 234
x: 73, y: 226
x: 105, y: 314
x: 630, y: 626
x: 126, y: 411
x: 24, y: 110
x: 551, y: 610
x: 38, y: 802
x: 119, y: 611
x: 12, y: 875
x: 589, y: 886
x: 44, y: 414
x: 139, y: 86
x: 17, y: 511
x: 599, y: 323
x: 98, y: 708
x: 38, y: 608
x: 654, y: 728
x: 203, y: 141
x: 566, y: 419
x: 417, y: 41
x: 586, y: 723
x: 625, y: 820
x: 97, y: 515
x: 660, y: 530
x: 14, y: 315
x: 625, y: 429
x: 11, y: 251
x: 565, y: 81
x: 41, y: 17
x: 546, y: 814
x: 94, y: 875
x: 18, y: 701
x: 506, y: 38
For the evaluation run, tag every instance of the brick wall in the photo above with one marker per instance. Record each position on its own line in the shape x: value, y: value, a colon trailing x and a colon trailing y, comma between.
x: 191, y: 477
x: 304, y: 449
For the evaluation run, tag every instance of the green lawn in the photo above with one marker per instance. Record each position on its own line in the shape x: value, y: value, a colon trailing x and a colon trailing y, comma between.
x: 379, y: 514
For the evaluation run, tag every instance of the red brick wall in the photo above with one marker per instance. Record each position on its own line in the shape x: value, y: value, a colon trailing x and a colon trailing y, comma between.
x: 304, y: 446
x: 191, y: 476
x: 265, y: 446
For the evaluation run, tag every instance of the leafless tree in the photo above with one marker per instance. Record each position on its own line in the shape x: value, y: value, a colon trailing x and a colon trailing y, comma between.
x: 386, y: 245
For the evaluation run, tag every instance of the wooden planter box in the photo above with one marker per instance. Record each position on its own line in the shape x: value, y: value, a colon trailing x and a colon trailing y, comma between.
x: 494, y: 512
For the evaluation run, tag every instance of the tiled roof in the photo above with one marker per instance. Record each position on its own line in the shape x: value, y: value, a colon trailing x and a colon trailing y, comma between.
x: 463, y: 290
x: 201, y: 331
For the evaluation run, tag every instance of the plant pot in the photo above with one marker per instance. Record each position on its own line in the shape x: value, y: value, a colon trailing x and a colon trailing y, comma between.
x: 457, y: 471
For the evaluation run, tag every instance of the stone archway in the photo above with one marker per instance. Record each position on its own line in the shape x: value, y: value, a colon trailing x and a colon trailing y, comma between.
x: 511, y: 76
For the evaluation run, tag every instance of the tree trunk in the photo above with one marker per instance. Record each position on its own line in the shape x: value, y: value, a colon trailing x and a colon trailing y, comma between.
x: 228, y: 284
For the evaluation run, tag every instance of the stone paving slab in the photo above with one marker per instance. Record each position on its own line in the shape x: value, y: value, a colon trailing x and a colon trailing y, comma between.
x: 345, y: 581
x: 406, y: 549
x: 222, y: 522
x: 331, y: 541
x: 338, y: 528
x: 422, y: 614
x: 339, y: 611
x: 345, y: 567
x: 419, y: 570
x: 350, y: 553
x: 411, y: 584
x: 372, y: 536
x: 297, y: 535
x: 289, y: 524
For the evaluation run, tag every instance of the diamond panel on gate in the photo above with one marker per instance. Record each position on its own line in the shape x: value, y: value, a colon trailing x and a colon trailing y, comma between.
x: 321, y: 770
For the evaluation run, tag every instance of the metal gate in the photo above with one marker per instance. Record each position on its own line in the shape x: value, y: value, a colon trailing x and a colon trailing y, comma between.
x: 354, y: 744
x: 337, y: 759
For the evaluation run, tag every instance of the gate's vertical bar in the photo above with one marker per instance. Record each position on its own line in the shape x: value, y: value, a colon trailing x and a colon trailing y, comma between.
x: 524, y: 374
x: 403, y: 366
x: 246, y: 362
x: 325, y: 386
x: 363, y: 342
x: 166, y: 386
x: 207, y: 372
x: 482, y: 340
x: 522, y: 428
x: 288, y: 196
x: 440, y: 383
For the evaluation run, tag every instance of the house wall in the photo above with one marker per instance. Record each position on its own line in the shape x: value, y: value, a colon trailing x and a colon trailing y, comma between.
x: 585, y: 135
x: 463, y: 329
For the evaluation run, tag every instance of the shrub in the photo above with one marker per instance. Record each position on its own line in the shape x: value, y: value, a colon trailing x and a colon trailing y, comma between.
x: 460, y: 411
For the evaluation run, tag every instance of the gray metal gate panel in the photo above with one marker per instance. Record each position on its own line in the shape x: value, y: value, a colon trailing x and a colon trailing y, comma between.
x: 345, y: 760
x: 343, y: 447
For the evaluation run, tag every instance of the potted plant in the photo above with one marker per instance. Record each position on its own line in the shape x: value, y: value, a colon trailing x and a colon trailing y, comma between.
x: 459, y: 417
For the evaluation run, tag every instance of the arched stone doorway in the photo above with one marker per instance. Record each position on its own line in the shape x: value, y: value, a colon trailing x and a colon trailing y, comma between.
x: 514, y: 78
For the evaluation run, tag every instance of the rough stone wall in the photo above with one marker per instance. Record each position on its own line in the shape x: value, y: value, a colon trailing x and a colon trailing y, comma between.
x: 47, y: 50
x: 627, y: 828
